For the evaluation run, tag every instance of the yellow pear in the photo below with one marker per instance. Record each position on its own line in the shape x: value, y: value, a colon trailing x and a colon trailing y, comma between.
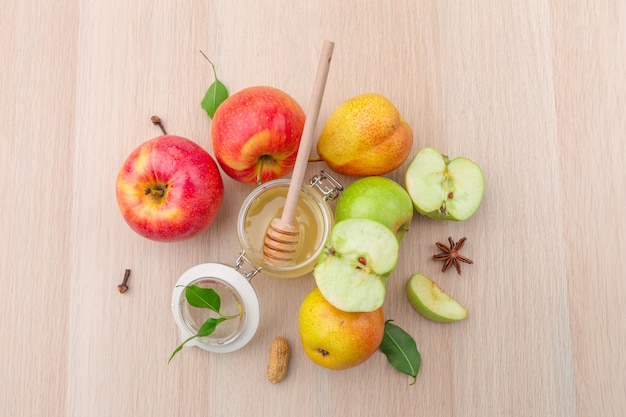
x: 337, y: 339
x: 365, y: 136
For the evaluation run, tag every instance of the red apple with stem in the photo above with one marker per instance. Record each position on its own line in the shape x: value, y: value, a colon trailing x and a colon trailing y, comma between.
x: 169, y: 188
x: 256, y: 133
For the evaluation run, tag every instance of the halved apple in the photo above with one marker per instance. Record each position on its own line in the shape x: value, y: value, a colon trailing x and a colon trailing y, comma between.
x: 353, y: 268
x: 431, y: 302
x: 442, y: 188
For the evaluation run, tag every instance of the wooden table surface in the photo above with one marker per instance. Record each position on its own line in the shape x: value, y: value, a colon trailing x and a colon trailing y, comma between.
x: 534, y: 91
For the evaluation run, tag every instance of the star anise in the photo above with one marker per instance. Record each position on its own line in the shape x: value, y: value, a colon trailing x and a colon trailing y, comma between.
x: 451, y: 255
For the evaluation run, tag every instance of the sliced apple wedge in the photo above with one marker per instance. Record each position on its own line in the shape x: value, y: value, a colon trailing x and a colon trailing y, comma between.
x: 442, y: 188
x: 431, y: 302
x: 353, y: 268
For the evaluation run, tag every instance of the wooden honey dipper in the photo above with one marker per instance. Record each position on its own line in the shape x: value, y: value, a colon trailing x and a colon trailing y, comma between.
x: 281, y: 238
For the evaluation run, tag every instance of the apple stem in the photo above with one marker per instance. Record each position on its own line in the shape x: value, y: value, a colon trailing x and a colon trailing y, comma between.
x: 159, y: 192
x: 156, y: 120
x: 210, y: 62
x: 313, y: 159
x: 259, y: 172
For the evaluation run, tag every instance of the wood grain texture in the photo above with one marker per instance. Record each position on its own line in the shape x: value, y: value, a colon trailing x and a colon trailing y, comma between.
x: 535, y: 92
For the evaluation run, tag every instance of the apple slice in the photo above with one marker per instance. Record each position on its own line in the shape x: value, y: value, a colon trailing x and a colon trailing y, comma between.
x: 431, y: 302
x: 353, y: 268
x: 444, y: 189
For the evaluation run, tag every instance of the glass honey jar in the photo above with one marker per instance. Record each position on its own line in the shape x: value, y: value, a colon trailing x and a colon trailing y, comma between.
x: 313, y: 215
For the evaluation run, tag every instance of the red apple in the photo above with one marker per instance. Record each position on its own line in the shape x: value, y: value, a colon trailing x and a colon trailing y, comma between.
x: 256, y: 134
x: 169, y: 189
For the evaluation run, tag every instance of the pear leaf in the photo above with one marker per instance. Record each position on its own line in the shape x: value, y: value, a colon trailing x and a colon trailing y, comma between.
x: 401, y: 350
x: 215, y: 95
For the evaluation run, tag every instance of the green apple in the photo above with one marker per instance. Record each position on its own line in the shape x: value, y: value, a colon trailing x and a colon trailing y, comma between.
x: 377, y: 198
x: 352, y: 270
x: 444, y: 189
x: 431, y: 302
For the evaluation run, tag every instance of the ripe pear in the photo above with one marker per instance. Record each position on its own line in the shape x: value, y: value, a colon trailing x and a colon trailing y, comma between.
x: 365, y: 136
x: 337, y: 339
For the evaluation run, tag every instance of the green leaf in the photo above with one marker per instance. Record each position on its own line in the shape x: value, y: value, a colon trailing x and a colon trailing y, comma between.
x: 178, y: 349
x: 401, y: 351
x: 209, y: 326
x: 206, y: 329
x: 203, y: 297
x: 215, y: 95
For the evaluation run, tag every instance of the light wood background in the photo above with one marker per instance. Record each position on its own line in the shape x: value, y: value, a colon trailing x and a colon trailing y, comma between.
x: 534, y: 91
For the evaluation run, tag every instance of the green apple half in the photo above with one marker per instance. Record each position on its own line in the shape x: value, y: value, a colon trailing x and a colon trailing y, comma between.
x: 377, y: 198
x: 431, y: 302
x: 444, y: 189
x: 353, y: 268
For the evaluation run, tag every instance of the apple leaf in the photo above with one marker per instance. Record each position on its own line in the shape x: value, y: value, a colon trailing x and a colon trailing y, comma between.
x: 203, y: 297
x: 401, y: 351
x: 215, y: 95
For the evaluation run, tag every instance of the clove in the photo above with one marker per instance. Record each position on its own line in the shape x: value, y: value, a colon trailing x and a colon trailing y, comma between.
x: 123, y: 287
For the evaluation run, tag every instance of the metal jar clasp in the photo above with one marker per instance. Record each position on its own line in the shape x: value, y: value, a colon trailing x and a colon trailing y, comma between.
x: 239, y: 266
x: 327, y: 184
